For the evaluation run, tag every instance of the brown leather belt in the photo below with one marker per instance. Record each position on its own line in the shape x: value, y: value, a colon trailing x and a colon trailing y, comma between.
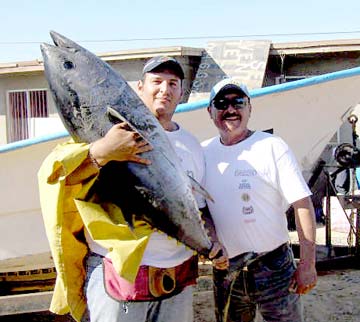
x: 252, y: 259
x: 266, y: 256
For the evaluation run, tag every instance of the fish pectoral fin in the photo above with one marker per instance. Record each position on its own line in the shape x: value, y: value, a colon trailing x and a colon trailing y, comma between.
x: 196, y: 186
x: 114, y: 114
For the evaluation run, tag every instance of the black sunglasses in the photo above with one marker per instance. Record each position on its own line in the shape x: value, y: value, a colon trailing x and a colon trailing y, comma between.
x: 224, y: 103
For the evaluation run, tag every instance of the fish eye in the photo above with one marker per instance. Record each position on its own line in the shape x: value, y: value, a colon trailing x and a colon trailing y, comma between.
x: 68, y: 64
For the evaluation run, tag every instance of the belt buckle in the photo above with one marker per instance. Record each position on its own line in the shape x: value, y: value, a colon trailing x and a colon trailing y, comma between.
x: 249, y: 258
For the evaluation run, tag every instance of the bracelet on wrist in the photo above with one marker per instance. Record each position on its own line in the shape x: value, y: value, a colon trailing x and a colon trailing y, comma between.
x: 93, y: 160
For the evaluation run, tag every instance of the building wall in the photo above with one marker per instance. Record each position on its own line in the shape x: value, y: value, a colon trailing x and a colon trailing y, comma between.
x: 294, y: 65
x: 309, y: 64
x: 131, y: 70
x: 321, y: 63
x: 314, y: 64
x: 11, y: 83
x: 22, y: 230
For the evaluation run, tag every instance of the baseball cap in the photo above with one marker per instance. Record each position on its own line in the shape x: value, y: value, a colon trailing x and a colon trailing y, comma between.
x: 228, y: 84
x: 164, y: 62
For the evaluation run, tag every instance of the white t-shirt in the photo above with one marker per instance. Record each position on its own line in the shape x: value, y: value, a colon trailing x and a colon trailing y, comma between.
x: 161, y: 250
x: 252, y: 183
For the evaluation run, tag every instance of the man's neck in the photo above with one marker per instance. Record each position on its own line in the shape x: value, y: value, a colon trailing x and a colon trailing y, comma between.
x: 234, y: 139
x: 170, y: 126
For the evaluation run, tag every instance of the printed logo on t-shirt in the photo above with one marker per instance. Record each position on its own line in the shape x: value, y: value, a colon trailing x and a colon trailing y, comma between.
x: 245, y: 173
x: 244, y: 185
x: 247, y: 210
x: 245, y: 197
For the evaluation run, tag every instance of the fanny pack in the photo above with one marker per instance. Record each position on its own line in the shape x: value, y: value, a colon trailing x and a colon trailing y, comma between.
x: 151, y: 283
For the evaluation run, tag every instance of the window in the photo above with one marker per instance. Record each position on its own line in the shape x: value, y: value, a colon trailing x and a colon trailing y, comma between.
x: 22, y: 106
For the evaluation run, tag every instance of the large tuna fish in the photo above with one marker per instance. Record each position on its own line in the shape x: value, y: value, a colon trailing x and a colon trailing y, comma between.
x: 91, y: 97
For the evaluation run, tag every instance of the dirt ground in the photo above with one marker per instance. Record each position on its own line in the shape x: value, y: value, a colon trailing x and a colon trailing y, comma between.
x: 336, y: 296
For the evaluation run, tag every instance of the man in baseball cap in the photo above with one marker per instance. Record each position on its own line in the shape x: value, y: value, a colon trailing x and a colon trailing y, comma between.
x: 158, y: 63
x: 254, y: 177
x: 226, y: 85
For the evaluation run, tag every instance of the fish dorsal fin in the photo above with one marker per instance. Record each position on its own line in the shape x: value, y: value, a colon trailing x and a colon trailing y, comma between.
x: 196, y: 186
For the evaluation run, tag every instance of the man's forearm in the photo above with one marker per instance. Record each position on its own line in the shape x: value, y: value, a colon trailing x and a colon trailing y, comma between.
x: 306, y: 229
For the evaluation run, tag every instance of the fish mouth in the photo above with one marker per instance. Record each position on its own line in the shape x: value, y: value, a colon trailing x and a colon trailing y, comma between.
x: 61, y: 41
x: 47, y: 50
x: 44, y: 48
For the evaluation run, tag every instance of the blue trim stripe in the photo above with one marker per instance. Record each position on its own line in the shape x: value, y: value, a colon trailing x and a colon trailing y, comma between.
x: 25, y: 143
x: 187, y: 107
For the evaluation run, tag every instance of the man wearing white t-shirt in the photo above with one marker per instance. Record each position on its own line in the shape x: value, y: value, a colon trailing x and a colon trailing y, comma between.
x: 154, y: 277
x: 253, y: 178
x: 161, y: 90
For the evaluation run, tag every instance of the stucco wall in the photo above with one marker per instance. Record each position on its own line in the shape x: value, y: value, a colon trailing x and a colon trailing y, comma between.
x: 130, y: 69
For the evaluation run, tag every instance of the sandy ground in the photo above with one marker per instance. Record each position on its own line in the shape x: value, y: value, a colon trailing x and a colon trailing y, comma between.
x: 336, y: 297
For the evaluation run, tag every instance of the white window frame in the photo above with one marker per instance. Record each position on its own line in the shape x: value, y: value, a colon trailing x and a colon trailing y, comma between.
x: 9, y: 120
